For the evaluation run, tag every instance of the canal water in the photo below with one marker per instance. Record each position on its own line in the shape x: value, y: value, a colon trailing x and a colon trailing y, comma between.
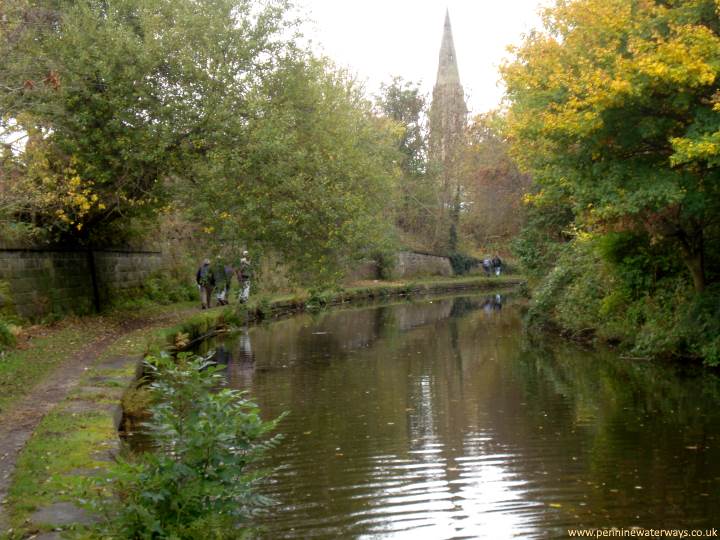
x: 437, y: 418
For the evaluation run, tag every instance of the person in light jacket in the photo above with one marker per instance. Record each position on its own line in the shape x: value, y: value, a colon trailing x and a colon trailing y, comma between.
x: 244, y: 274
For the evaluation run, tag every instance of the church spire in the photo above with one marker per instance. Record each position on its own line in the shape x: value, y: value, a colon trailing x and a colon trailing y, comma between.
x: 448, y: 112
x: 448, y: 117
x: 447, y: 66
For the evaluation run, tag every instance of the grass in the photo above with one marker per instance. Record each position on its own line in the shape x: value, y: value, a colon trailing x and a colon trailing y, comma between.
x: 22, y: 369
x: 47, y: 348
x: 66, y: 443
x: 50, y: 469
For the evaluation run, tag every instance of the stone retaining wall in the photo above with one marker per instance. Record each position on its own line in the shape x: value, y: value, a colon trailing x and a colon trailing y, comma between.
x: 411, y: 264
x: 43, y: 282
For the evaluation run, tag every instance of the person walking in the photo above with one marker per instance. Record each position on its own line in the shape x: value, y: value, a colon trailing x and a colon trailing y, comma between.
x: 244, y: 273
x: 206, y: 283
x: 497, y: 265
x: 223, y: 274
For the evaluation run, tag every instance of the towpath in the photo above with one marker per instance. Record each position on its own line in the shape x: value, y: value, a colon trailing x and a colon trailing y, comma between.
x: 20, y: 419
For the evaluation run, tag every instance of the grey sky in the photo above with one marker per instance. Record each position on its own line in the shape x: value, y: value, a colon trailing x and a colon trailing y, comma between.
x: 380, y: 38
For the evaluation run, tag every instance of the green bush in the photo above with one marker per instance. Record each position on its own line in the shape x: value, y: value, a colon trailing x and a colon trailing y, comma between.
x: 462, y: 264
x: 386, y: 260
x: 7, y: 338
x: 198, y: 481
x: 159, y: 288
x: 542, y: 240
x: 622, y: 289
x: 541, y: 311
x: 320, y: 297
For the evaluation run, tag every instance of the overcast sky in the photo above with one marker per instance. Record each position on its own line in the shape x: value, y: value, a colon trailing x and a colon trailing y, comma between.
x: 377, y: 39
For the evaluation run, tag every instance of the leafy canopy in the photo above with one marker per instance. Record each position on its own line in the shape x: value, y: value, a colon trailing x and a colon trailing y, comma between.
x: 312, y: 177
x: 614, y: 109
x: 118, y: 97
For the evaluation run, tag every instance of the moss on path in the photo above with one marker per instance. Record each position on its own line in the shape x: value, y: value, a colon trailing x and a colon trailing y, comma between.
x: 35, y: 379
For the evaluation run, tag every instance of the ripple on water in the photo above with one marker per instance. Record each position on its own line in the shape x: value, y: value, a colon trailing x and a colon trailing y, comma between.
x: 438, y: 421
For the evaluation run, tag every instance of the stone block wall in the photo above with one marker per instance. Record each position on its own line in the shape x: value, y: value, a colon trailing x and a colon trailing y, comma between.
x: 364, y: 270
x: 120, y: 271
x: 411, y: 264
x: 43, y: 282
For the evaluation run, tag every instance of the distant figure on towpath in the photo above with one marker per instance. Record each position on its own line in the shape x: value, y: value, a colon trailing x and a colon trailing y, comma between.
x: 244, y: 273
x: 223, y: 275
x: 497, y: 265
x: 206, y: 283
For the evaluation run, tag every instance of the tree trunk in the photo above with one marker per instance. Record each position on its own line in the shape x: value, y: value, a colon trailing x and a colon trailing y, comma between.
x: 697, y: 271
x: 694, y: 259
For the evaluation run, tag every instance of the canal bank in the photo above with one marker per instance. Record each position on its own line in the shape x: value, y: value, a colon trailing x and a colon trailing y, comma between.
x: 78, y: 438
x: 441, y: 418
x: 264, y: 308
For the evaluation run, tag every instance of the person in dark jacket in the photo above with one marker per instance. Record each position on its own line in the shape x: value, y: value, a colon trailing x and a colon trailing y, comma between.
x: 497, y: 265
x: 206, y: 283
x: 223, y: 277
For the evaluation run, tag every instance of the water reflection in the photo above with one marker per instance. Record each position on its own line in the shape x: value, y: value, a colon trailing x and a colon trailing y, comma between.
x: 436, y: 419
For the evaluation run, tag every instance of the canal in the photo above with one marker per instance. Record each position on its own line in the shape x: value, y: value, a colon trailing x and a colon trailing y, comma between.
x: 438, y: 418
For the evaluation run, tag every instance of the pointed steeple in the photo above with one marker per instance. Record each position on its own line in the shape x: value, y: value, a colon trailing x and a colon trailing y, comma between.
x: 447, y: 66
x: 448, y: 112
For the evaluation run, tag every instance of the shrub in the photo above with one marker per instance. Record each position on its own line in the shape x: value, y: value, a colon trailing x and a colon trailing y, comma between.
x: 320, y: 297
x: 386, y: 260
x: 197, y: 482
x: 7, y: 338
x: 159, y: 288
x: 621, y: 288
x: 462, y: 264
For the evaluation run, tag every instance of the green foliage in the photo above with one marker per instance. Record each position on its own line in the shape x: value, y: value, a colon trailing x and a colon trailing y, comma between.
x: 417, y: 213
x: 540, y: 241
x: 163, y: 289
x: 321, y: 297
x: 159, y: 288
x: 702, y: 322
x: 614, y: 110
x: 545, y: 296
x: 7, y: 338
x: 198, y: 480
x: 386, y: 260
x: 639, y: 264
x: 594, y: 290
x: 462, y: 264
x: 108, y: 126
x: 403, y: 102
x: 614, y: 106
x: 263, y: 307
x: 314, y: 176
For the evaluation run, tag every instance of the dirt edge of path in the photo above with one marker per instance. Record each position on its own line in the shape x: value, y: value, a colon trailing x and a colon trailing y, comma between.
x: 19, y: 423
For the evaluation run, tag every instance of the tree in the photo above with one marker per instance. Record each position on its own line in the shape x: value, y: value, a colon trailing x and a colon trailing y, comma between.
x: 118, y: 97
x: 615, y: 105
x: 403, y: 102
x: 494, y: 187
x: 313, y: 176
